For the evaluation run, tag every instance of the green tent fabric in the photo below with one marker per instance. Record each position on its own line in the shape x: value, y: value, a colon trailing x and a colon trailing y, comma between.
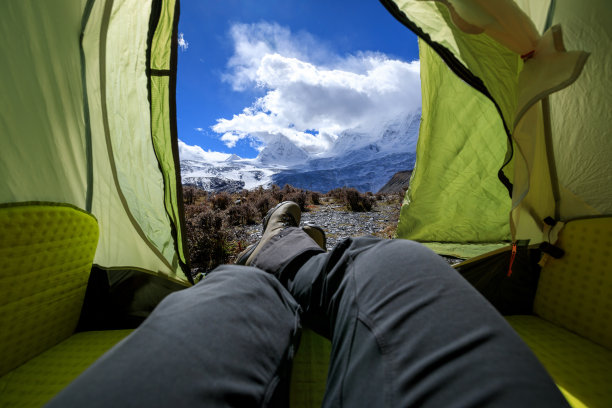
x: 459, y: 154
x: 87, y: 118
x: 513, y: 89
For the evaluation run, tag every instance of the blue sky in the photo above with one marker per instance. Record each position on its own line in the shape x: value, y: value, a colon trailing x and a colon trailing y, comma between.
x: 302, y: 68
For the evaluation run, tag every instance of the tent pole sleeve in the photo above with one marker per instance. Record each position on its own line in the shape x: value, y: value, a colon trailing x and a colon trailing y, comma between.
x: 550, y: 155
x: 86, y: 118
x: 175, y: 149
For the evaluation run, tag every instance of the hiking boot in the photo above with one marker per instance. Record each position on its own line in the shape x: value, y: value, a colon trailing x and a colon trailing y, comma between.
x: 284, y: 215
x: 316, y: 233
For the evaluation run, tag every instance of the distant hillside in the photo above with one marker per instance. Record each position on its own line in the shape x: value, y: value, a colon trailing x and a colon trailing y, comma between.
x: 398, y: 183
x: 364, y: 175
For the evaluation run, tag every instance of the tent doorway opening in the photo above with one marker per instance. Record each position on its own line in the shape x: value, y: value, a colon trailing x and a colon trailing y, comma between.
x: 293, y: 104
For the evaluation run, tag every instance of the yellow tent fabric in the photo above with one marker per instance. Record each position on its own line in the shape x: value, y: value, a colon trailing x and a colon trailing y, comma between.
x: 574, y: 291
x: 455, y: 194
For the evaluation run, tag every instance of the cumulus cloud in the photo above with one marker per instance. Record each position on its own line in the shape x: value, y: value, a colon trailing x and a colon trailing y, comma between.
x: 311, y: 94
x: 183, y: 45
x: 252, y: 42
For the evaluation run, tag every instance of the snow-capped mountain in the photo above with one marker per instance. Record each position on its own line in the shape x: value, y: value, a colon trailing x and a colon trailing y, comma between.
x: 280, y: 151
x: 225, y: 176
x: 365, y: 160
x: 361, y: 160
x: 214, y: 171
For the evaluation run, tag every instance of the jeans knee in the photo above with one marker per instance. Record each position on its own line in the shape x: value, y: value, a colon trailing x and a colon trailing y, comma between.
x: 397, y: 258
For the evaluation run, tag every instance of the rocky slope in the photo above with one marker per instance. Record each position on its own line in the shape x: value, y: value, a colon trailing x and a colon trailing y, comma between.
x: 398, y: 183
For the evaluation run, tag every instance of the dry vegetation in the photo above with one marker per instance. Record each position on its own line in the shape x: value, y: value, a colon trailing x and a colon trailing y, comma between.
x: 215, y: 222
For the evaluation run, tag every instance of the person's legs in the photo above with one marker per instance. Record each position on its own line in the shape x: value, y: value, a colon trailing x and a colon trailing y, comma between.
x: 407, y: 330
x: 227, y: 341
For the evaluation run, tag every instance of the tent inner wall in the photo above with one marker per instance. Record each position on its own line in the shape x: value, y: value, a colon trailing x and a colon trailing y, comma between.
x: 561, y: 147
x: 128, y: 185
x: 75, y: 120
x: 581, y: 114
x: 41, y: 104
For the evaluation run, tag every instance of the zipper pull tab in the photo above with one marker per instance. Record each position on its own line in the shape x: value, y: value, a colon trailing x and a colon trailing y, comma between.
x: 512, y: 256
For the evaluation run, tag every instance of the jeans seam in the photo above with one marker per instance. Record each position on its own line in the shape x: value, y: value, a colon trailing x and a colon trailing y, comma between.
x: 350, y: 271
x: 388, y: 368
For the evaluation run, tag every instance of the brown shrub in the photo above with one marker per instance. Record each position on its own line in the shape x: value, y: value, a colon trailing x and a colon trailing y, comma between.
x: 276, y: 192
x: 193, y: 195
x: 206, y: 236
x: 315, y: 197
x: 242, y: 214
x: 264, y: 203
x: 257, y: 194
x: 288, y: 189
x: 297, y: 196
x: 337, y: 193
x: 353, y: 199
x: 188, y: 194
x: 356, y: 201
x: 221, y: 201
x: 401, y: 195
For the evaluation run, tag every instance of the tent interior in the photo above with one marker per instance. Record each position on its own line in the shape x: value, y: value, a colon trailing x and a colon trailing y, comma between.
x: 513, y: 172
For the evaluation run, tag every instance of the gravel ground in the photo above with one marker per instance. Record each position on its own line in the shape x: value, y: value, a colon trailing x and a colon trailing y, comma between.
x: 339, y: 224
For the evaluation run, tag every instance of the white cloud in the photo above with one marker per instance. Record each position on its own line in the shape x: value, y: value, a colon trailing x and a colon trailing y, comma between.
x: 252, y: 42
x: 311, y: 95
x: 183, y: 45
x: 187, y: 152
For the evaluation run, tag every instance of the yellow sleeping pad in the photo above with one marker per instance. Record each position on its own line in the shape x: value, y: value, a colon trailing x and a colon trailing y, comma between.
x: 580, y: 368
x: 37, y: 381
x: 46, y: 253
x: 575, y: 291
x: 310, y: 367
x: 571, y: 332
